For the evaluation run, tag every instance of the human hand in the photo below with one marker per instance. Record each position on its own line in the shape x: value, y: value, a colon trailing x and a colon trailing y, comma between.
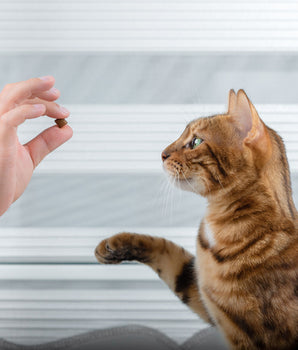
x: 19, y: 102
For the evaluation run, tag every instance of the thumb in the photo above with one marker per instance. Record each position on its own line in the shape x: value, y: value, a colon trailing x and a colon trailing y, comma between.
x: 47, y: 141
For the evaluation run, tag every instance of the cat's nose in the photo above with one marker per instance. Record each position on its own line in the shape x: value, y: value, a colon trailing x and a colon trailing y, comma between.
x: 164, y: 156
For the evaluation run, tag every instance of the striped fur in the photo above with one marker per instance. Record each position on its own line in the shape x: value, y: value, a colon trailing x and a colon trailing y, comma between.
x: 245, y: 275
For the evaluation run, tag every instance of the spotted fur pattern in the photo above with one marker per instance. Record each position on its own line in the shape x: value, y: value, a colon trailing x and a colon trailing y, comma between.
x: 244, y: 278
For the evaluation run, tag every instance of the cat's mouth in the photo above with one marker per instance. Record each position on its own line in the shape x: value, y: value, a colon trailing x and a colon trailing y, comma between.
x: 183, y: 183
x: 176, y: 173
x: 186, y: 183
x: 178, y: 177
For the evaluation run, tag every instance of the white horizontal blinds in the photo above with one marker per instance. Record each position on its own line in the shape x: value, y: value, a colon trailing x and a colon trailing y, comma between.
x: 54, y: 287
x: 47, y: 302
x: 34, y: 314
x: 80, y: 272
x: 146, y: 25
x: 130, y: 138
x: 50, y: 283
x: 73, y: 245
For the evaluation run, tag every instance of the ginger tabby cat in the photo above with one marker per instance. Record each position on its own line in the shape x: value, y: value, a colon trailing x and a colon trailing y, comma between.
x: 244, y: 278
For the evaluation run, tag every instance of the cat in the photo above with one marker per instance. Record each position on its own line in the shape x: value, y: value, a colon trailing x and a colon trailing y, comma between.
x: 244, y: 278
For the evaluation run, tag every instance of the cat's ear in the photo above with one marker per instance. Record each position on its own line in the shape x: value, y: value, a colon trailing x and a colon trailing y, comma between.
x: 232, y: 102
x: 252, y: 128
x: 245, y: 113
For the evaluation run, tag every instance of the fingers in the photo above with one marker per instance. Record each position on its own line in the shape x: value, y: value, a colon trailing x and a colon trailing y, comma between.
x: 18, y: 115
x: 33, y: 109
x: 16, y: 93
x: 10, y: 120
x: 50, y: 95
x: 31, y: 99
x: 52, y: 109
x: 47, y: 141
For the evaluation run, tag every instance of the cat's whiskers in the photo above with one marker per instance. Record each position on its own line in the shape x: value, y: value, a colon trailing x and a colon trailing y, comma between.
x: 163, y: 187
x: 170, y: 192
x: 173, y: 184
x: 180, y: 192
x: 188, y: 181
x: 175, y: 178
x: 166, y: 196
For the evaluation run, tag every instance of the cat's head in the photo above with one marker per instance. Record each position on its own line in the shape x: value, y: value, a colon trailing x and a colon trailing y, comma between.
x: 214, y: 152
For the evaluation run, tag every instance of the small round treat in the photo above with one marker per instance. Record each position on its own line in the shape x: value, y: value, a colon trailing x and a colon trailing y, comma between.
x: 60, y: 122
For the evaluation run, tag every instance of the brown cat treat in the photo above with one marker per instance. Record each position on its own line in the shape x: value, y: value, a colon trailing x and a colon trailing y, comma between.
x: 60, y: 122
x: 244, y: 277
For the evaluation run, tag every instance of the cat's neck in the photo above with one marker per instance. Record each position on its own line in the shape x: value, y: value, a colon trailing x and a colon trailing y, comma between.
x: 264, y: 200
x: 259, y: 193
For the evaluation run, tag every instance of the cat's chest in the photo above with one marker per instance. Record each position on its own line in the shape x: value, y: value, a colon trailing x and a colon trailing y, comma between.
x: 209, y: 234
x: 206, y: 244
x: 206, y: 238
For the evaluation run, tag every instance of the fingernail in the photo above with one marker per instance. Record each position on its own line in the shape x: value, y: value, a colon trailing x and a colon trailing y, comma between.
x: 54, y: 91
x: 64, y: 110
x: 46, y: 78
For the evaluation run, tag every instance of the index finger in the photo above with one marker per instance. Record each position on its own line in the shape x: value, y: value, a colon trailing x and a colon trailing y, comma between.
x: 16, y: 93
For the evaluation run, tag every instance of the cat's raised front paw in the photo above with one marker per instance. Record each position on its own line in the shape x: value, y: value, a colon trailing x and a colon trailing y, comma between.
x: 117, y: 248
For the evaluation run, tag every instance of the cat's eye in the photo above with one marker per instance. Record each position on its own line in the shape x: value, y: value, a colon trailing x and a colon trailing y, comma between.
x: 195, y: 142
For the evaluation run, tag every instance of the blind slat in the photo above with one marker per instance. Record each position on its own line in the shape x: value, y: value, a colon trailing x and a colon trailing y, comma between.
x: 130, y: 138
x: 130, y: 26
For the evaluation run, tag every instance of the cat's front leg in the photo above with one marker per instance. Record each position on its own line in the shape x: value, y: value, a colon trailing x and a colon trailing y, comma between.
x: 172, y: 263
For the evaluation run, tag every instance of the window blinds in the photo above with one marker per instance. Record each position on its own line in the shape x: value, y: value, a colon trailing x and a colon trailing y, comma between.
x: 105, y: 179
x: 130, y: 138
x: 149, y: 25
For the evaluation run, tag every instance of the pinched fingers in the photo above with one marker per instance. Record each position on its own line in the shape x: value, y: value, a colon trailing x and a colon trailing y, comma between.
x: 50, y: 95
x: 52, y: 109
x: 18, y: 115
x: 11, y: 120
x: 16, y: 93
